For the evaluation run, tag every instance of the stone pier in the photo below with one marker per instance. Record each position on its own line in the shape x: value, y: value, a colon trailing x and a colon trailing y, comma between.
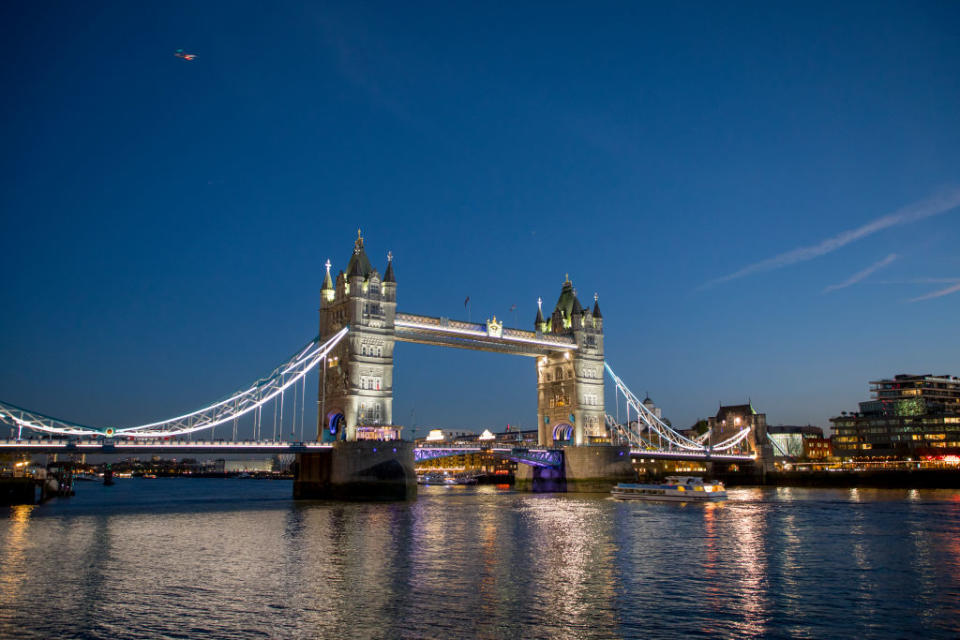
x: 589, y: 469
x: 358, y: 470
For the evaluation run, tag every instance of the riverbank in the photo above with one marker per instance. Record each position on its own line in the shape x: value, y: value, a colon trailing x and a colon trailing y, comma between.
x: 877, y: 479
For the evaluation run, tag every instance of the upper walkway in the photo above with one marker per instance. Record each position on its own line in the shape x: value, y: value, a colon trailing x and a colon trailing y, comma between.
x: 492, y: 336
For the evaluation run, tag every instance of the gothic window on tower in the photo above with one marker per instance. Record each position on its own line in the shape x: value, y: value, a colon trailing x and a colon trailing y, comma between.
x: 379, y: 352
x: 363, y: 350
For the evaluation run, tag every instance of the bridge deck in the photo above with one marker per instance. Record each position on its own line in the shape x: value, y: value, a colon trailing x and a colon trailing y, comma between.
x: 133, y: 447
x: 480, y: 337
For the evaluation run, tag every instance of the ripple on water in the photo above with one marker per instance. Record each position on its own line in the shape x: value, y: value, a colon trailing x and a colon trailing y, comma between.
x: 187, y: 558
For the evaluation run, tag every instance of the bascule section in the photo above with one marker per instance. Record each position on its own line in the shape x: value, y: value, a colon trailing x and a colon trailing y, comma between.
x: 570, y: 407
x: 356, y: 390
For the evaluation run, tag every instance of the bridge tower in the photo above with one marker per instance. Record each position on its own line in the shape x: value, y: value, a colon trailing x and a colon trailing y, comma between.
x: 355, y: 399
x: 570, y: 384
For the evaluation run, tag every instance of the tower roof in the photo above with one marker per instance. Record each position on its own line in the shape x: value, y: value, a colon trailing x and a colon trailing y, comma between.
x: 388, y: 274
x: 359, y: 264
x: 735, y: 409
x: 565, y: 304
x: 596, y: 306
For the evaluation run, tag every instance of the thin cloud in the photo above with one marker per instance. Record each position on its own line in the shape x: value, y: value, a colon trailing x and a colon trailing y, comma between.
x: 940, y: 203
x: 919, y: 281
x: 937, y: 294
x: 860, y: 275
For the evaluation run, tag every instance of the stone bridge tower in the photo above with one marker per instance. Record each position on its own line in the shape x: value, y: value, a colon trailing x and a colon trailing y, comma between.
x: 570, y: 383
x: 356, y: 390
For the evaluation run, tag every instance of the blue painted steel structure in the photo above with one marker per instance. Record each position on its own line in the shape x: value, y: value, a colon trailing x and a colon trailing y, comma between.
x: 532, y: 457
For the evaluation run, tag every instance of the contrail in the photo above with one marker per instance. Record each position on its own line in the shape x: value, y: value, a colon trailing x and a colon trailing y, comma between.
x: 860, y: 275
x: 940, y: 203
x: 937, y: 294
x: 919, y: 281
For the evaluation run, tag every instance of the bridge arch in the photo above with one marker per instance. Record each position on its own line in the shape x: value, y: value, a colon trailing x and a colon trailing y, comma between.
x: 562, y: 432
x: 335, y: 427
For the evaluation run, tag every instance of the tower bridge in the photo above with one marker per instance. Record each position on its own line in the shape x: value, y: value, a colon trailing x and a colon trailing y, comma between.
x: 356, y: 390
x: 359, y: 327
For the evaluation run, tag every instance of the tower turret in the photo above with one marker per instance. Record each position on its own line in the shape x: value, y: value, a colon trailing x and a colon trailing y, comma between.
x: 327, y: 292
x: 570, y: 399
x: 539, y: 324
x: 357, y: 388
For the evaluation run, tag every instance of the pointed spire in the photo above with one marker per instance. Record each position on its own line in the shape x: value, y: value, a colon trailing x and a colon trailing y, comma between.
x: 359, y: 264
x: 539, y: 321
x: 596, y: 306
x: 577, y: 308
x: 356, y: 269
x: 388, y: 274
x: 327, y: 280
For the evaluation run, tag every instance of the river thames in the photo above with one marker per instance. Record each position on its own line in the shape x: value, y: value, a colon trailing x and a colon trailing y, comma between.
x: 208, y: 558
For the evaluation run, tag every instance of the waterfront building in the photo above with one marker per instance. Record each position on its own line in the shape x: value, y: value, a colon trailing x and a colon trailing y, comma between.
x: 908, y: 417
x: 817, y: 448
x: 791, y: 441
x: 261, y: 465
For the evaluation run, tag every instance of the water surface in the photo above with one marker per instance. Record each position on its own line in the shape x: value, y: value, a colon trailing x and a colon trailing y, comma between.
x: 208, y: 558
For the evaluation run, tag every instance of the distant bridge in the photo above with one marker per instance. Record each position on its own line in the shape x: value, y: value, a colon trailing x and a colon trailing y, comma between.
x: 554, y: 457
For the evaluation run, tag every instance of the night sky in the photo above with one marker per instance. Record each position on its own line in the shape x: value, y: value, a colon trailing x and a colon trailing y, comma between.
x: 765, y: 195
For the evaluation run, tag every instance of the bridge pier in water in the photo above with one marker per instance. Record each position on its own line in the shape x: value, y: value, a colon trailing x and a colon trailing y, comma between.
x: 357, y: 470
x: 591, y: 469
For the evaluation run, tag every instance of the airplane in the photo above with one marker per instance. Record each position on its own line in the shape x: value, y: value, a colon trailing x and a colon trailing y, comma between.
x: 186, y: 56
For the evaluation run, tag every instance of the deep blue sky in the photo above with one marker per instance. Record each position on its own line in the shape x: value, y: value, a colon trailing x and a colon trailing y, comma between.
x: 165, y: 222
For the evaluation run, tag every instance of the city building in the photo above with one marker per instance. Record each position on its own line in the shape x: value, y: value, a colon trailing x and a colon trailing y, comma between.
x: 908, y: 417
x: 791, y: 441
x: 817, y: 448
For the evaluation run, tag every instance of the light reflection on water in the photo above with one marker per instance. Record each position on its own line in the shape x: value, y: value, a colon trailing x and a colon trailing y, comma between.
x: 240, y: 559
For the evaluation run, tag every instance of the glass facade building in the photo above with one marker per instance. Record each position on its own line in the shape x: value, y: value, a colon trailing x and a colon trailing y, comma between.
x: 909, y: 416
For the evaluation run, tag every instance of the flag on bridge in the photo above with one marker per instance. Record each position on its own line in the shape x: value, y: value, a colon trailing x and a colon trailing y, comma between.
x: 466, y: 302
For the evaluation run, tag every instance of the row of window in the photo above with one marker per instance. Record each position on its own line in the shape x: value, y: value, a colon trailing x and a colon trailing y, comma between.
x: 370, y: 382
x: 559, y: 375
x: 369, y: 414
x: 371, y: 351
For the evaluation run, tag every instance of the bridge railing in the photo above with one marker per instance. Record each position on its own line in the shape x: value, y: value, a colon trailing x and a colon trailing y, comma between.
x: 648, y: 432
x: 230, y: 409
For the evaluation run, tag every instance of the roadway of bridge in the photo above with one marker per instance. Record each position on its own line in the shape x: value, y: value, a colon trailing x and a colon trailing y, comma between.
x: 157, y: 447
x: 121, y: 447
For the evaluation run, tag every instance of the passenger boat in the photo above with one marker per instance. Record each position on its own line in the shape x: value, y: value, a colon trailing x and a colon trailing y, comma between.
x: 673, y: 489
